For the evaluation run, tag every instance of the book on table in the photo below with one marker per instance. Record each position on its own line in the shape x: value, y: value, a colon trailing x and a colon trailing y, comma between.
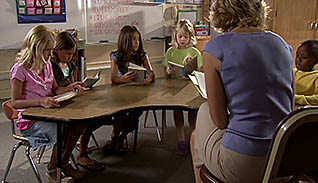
x: 180, y: 71
x: 198, y: 79
x: 139, y: 70
x: 65, y: 96
x: 89, y: 82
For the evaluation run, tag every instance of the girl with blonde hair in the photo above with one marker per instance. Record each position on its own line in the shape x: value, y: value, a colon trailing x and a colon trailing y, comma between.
x: 33, y: 84
x: 183, y: 42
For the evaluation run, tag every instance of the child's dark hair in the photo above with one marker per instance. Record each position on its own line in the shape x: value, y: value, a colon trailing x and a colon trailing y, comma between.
x: 313, y: 45
x: 65, y: 41
x: 125, y: 47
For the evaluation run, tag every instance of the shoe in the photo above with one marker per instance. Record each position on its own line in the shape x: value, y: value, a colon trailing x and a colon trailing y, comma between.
x: 93, y: 165
x: 183, y: 147
x: 51, y: 175
x: 69, y: 171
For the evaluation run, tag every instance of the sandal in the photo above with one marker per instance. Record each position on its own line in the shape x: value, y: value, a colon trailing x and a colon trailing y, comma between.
x: 51, y: 175
x: 93, y: 165
x: 69, y: 171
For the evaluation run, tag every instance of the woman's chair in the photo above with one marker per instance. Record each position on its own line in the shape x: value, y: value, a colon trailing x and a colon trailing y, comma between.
x: 293, y: 154
x: 12, y: 115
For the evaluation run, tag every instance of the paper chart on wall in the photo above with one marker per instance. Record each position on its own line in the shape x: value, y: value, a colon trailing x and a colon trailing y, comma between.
x: 104, y: 19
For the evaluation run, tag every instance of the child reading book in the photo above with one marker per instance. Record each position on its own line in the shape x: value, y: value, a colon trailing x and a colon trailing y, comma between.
x: 63, y: 63
x: 33, y: 84
x: 306, y: 77
x: 130, y: 50
x: 183, y: 42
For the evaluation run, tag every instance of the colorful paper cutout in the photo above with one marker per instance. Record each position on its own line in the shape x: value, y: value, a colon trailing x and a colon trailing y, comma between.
x: 22, y: 11
x: 57, y: 3
x: 30, y: 3
x: 48, y: 11
x: 21, y: 2
x: 39, y: 11
x: 31, y: 11
x: 57, y: 11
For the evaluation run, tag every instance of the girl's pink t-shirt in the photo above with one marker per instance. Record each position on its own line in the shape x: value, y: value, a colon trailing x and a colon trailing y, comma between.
x: 33, y: 87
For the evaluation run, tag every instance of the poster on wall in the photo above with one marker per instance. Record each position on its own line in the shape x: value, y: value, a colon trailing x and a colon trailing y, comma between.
x: 41, y: 11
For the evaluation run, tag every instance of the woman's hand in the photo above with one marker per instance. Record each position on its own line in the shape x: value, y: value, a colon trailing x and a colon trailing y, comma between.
x: 48, y: 102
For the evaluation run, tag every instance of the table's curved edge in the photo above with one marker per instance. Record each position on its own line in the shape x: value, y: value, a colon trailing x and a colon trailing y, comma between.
x: 104, y: 116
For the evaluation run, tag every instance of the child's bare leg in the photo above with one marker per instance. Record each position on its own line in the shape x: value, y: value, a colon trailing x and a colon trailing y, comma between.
x: 179, y: 122
x: 72, y: 138
x: 192, y: 116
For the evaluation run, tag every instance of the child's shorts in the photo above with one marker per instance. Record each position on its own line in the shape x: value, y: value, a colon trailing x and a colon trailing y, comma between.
x: 40, y: 134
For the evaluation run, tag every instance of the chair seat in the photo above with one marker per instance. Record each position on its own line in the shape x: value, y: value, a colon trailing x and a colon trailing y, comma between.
x: 207, y: 176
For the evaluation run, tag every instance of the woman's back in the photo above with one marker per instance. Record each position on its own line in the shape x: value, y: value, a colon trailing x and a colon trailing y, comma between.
x: 256, y: 71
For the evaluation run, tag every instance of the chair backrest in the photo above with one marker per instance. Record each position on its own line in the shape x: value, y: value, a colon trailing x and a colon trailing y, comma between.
x: 294, y: 148
x: 12, y: 114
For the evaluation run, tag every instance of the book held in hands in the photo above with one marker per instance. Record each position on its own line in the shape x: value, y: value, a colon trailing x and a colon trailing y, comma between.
x: 65, y: 96
x: 180, y: 71
x: 89, y: 82
x: 139, y: 70
x: 198, y: 79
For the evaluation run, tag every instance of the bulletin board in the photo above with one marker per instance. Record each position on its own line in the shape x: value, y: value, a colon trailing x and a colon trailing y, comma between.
x: 40, y: 11
x: 13, y: 33
x: 105, y: 18
x: 191, y: 15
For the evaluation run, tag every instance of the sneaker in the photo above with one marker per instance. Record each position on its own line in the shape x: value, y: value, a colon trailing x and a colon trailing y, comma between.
x: 183, y: 147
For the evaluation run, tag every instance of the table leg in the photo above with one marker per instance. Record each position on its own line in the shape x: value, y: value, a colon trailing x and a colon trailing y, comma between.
x: 59, y: 152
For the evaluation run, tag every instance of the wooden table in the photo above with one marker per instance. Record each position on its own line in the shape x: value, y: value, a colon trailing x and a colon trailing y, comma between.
x: 102, y: 101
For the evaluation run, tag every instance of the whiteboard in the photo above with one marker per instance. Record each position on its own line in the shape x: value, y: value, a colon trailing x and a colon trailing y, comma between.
x: 104, y: 20
x: 12, y: 33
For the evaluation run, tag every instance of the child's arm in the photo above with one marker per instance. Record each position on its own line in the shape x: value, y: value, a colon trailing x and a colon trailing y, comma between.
x: 19, y: 102
x: 76, y: 86
x: 150, y: 73
x: 127, y: 77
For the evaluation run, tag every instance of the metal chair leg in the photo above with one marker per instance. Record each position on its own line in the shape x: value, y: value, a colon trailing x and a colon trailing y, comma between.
x: 95, y: 141
x: 163, y: 124
x: 74, y: 161
x: 146, y: 117
x: 40, y: 154
x: 157, y: 125
x: 14, y: 149
x: 36, y: 172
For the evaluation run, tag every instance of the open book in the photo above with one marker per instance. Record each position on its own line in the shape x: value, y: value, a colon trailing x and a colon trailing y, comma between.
x: 179, y: 71
x: 65, y: 96
x: 91, y: 81
x: 198, y: 79
x: 141, y: 71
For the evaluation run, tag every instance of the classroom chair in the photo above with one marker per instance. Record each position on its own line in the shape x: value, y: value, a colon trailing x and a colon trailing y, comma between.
x: 12, y: 115
x: 163, y: 123
x: 293, y: 154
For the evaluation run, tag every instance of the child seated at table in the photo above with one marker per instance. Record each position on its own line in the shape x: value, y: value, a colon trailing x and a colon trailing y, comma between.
x: 183, y: 42
x: 33, y: 84
x: 130, y: 50
x: 63, y: 64
x: 306, y: 77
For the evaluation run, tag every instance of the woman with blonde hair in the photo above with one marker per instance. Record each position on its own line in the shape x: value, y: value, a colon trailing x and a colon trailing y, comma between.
x: 249, y: 83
